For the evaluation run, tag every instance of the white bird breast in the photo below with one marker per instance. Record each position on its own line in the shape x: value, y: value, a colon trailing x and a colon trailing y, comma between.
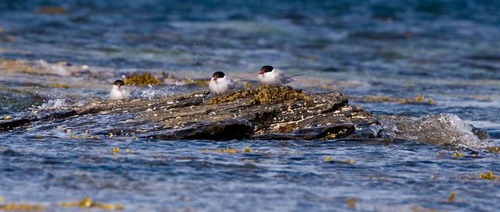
x: 117, y: 93
x: 219, y: 86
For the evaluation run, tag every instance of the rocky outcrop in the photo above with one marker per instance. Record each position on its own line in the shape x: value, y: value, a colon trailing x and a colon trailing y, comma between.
x: 263, y: 113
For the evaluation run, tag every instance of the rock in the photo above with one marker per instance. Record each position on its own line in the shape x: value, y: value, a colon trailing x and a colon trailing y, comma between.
x: 265, y: 113
x: 221, y: 130
x: 329, y: 132
x: 262, y: 113
x: 480, y: 133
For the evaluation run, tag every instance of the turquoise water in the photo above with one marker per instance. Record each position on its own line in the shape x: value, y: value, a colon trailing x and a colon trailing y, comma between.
x: 447, y: 51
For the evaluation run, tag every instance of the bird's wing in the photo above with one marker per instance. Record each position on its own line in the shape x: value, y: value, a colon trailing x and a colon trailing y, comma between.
x: 126, y: 93
x: 230, y: 82
x: 282, y: 77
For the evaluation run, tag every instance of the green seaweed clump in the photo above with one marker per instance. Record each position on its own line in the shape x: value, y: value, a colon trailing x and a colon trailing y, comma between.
x: 493, y: 149
x: 272, y: 95
x: 263, y: 95
x: 51, y: 10
x: 452, y: 197
x: 60, y: 85
x: 231, y: 97
x: 334, y: 135
x: 89, y: 203
x: 419, y: 99
x: 143, y: 79
x: 21, y: 207
x: 351, y: 202
x: 488, y: 176
x: 198, y: 82
x: 287, y: 128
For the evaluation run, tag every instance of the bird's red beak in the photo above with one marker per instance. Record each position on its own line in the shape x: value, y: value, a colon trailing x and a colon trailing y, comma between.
x: 213, y: 78
x: 261, y: 72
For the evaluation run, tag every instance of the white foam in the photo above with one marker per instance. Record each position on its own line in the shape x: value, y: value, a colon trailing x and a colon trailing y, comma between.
x: 458, y: 132
x: 53, y: 104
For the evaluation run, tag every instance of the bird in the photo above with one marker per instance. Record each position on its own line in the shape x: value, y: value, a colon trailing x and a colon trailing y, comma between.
x: 269, y: 75
x: 219, y: 84
x: 117, y: 93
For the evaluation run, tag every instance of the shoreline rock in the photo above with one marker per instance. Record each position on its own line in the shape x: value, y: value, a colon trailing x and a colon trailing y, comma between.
x: 265, y: 113
x: 262, y: 113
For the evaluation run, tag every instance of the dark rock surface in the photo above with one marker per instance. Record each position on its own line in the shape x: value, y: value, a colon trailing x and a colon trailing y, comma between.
x: 266, y: 113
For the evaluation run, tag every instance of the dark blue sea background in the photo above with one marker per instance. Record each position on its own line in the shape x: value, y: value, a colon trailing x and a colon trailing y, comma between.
x: 445, y: 50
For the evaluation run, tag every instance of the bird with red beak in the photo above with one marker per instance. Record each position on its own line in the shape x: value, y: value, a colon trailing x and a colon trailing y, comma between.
x: 269, y: 75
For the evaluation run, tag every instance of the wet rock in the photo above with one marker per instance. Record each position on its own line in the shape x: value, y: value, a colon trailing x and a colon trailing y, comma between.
x: 265, y: 113
x: 11, y: 124
x: 329, y: 132
x: 221, y: 130
x: 262, y: 113
x: 480, y: 133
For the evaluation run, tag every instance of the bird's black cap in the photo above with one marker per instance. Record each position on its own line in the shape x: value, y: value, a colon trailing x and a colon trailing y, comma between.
x: 218, y: 74
x: 119, y: 83
x: 266, y: 69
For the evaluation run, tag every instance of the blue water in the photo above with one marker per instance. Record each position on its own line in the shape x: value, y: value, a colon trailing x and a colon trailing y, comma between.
x: 447, y: 51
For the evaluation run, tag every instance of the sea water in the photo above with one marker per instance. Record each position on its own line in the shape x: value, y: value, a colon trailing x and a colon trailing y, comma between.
x: 445, y: 51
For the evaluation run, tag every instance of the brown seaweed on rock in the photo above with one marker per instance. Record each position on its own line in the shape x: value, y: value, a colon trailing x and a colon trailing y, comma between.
x: 142, y: 79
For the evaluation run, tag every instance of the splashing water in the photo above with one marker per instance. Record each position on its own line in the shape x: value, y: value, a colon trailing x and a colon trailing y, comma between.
x: 441, y: 130
x: 53, y: 104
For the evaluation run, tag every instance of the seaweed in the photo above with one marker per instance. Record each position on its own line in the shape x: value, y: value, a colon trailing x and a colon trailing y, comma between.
x: 21, y: 207
x: 263, y: 95
x: 452, y: 197
x: 333, y: 135
x: 198, y: 82
x: 493, y: 149
x: 89, y: 203
x: 17, y: 65
x: 419, y: 99
x: 328, y: 159
x: 421, y: 209
x: 351, y: 202
x: 488, y: 176
x: 273, y: 95
x: 60, y: 85
x: 143, y: 79
x: 115, y: 150
x: 51, y: 10
x: 287, y: 128
x: 231, y: 97
x: 228, y: 150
